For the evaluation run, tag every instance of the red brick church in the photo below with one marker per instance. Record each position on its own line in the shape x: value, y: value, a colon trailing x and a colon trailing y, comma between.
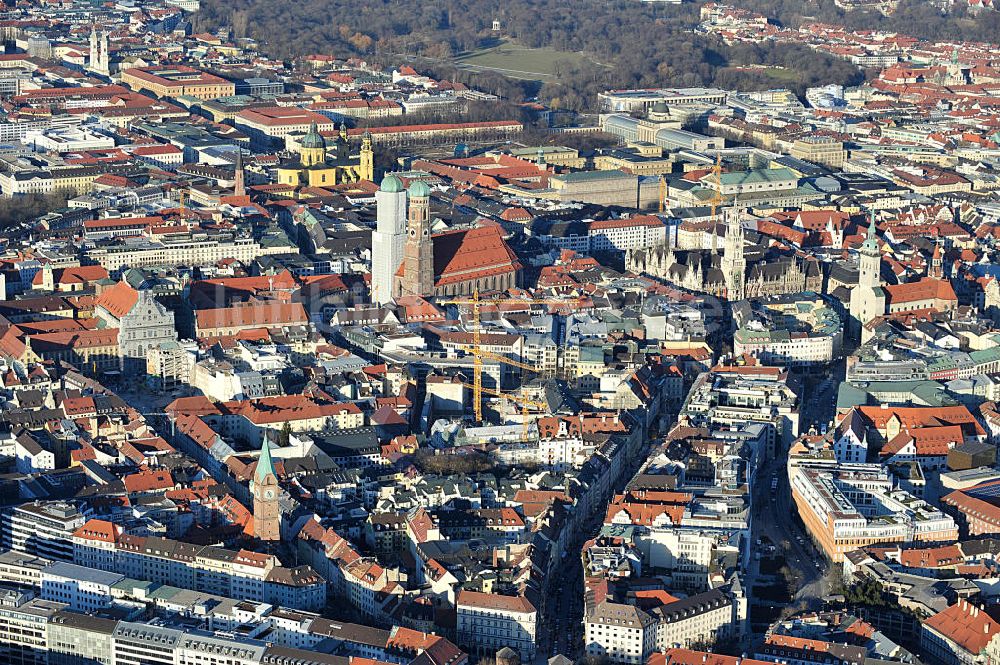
x: 451, y: 263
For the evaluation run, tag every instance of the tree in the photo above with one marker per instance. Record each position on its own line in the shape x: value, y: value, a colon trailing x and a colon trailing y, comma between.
x: 27, y: 207
x: 608, y: 45
x: 867, y: 592
x: 285, y: 436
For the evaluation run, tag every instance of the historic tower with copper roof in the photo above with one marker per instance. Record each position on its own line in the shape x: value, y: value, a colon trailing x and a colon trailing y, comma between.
x: 418, y: 253
x: 265, y: 489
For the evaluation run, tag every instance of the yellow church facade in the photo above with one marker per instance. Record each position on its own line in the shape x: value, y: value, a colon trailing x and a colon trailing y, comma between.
x: 321, y: 166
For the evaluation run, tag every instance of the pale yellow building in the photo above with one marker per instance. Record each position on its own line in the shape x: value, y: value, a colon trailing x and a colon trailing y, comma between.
x: 820, y: 150
x: 178, y: 81
x: 316, y: 166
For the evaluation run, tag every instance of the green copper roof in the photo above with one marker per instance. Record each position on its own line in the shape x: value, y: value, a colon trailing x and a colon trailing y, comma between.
x: 313, y: 139
x: 420, y: 188
x: 391, y: 184
x: 870, y: 242
x: 264, y: 465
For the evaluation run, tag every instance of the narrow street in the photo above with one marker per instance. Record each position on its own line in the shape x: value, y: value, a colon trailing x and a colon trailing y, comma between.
x: 774, y: 512
x: 564, y: 628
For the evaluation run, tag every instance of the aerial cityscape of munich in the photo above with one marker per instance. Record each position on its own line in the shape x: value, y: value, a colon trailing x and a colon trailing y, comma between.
x: 499, y: 332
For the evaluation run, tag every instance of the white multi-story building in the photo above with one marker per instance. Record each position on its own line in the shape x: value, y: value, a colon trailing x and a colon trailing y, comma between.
x: 389, y: 237
x: 81, y: 589
x: 796, y: 330
x: 622, y: 235
x: 846, y: 507
x: 487, y: 622
x: 68, y: 139
x: 622, y: 633
x: 43, y: 529
x: 243, y: 574
x: 23, y: 621
x: 736, y: 396
x: 184, y: 252
x: 627, y: 634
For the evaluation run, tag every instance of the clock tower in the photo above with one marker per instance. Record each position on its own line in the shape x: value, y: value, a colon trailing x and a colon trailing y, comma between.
x: 265, y: 490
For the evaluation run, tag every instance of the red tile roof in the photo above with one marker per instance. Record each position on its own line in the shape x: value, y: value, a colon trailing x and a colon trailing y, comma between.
x: 928, y: 441
x: 690, y: 657
x: 256, y: 314
x: 99, y: 530
x: 927, y: 288
x: 472, y: 253
x: 79, y: 339
x: 148, y: 481
x: 268, y: 410
x: 914, y: 417
x: 965, y: 624
x: 119, y: 299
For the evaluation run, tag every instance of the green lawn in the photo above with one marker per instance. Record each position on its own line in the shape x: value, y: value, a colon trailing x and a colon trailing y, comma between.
x: 515, y: 61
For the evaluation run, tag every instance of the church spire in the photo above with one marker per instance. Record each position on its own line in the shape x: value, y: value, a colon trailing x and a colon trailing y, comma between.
x: 734, y: 262
x: 265, y: 490
x: 265, y: 466
x: 239, y: 186
x: 870, y: 259
x: 871, y: 241
x: 936, y: 257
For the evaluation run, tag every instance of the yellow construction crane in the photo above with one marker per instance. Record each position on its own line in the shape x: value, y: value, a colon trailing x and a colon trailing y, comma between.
x: 479, y: 354
x: 523, y: 402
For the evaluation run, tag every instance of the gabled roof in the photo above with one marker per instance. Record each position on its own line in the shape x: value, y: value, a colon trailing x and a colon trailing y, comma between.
x: 928, y: 441
x: 927, y: 288
x: 119, y: 299
x: 966, y: 625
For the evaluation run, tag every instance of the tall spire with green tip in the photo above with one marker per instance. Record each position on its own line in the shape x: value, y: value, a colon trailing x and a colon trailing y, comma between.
x: 870, y: 259
x: 265, y: 466
x: 871, y: 243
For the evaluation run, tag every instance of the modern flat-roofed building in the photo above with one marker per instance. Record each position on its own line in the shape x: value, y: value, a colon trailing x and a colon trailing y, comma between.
x: 71, y: 634
x: 23, y: 621
x: 846, y: 507
x: 43, y: 529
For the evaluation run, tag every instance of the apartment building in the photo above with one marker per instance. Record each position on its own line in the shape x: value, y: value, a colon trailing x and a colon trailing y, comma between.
x: 148, y: 644
x: 250, y: 419
x: 41, y: 529
x: 243, y: 574
x: 487, y: 622
x: 624, y: 633
x: 963, y: 634
x: 192, y: 251
x: 846, y: 507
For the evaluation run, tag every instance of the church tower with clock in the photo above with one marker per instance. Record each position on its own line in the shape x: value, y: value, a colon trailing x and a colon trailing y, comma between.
x: 265, y: 490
